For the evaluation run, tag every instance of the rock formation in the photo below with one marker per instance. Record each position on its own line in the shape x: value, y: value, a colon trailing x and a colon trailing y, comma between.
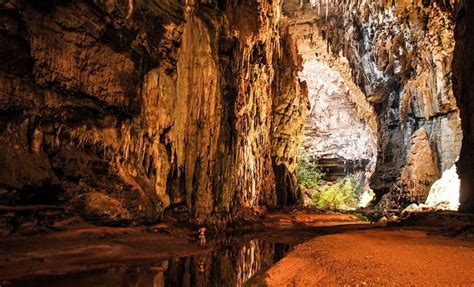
x: 400, y: 55
x: 443, y: 195
x: 463, y: 65
x: 127, y: 113
x: 422, y: 169
x: 334, y: 132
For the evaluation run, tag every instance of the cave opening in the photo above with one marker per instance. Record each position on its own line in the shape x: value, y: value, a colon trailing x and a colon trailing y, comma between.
x: 338, y: 139
x: 338, y: 152
x: 393, y: 109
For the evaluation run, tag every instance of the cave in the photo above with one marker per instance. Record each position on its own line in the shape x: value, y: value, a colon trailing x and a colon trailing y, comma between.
x: 236, y: 142
x: 336, y: 129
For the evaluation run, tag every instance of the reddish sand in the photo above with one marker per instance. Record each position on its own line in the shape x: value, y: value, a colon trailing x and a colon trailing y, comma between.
x: 377, y: 257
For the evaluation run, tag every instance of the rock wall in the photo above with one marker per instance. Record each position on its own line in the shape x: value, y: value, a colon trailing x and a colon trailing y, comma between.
x: 400, y: 55
x: 463, y: 67
x: 289, y: 114
x: 126, y: 112
x: 333, y: 128
x: 420, y: 172
x: 129, y: 111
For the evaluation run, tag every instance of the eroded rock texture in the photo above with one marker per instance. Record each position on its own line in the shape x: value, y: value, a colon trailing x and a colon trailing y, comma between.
x: 421, y: 170
x: 400, y: 55
x: 289, y: 114
x: 463, y: 67
x: 127, y: 113
x: 334, y: 132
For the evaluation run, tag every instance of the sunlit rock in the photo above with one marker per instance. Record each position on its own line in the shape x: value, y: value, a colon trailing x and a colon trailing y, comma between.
x: 366, y: 198
x: 444, y: 193
x: 333, y: 129
x: 422, y: 167
x: 333, y: 126
x: 400, y: 56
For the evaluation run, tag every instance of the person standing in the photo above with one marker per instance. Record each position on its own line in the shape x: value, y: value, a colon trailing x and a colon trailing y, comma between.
x: 202, y: 236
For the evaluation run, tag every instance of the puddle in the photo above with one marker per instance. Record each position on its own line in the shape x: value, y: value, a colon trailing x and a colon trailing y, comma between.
x: 230, y: 265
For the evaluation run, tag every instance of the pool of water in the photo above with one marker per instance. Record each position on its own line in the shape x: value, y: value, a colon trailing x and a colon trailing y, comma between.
x: 230, y: 265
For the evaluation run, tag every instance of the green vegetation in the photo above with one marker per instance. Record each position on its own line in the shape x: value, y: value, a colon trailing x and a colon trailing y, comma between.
x: 309, y: 175
x: 344, y: 194
x: 348, y: 193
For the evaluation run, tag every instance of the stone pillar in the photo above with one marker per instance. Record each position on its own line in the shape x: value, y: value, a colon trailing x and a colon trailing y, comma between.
x: 463, y: 65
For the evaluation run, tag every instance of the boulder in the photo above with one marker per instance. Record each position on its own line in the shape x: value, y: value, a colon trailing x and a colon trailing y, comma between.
x: 422, y: 168
x: 102, y: 209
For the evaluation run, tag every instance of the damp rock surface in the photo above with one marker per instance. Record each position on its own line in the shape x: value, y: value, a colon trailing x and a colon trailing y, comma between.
x: 152, y: 108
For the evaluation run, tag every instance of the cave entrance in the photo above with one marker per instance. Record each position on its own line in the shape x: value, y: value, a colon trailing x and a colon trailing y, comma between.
x: 335, y: 133
x: 416, y: 122
x: 339, y: 150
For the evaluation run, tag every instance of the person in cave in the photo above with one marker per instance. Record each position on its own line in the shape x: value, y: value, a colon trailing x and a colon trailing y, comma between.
x: 202, y: 236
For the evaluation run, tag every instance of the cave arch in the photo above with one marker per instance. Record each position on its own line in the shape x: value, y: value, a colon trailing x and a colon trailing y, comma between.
x: 401, y: 64
x: 336, y: 132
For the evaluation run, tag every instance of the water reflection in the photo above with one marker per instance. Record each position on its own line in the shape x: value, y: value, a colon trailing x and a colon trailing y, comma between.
x: 230, y: 265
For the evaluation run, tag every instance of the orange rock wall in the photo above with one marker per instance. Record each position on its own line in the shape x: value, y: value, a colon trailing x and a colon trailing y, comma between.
x: 176, y: 110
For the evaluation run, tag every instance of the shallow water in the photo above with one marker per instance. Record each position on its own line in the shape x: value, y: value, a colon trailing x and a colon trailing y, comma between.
x: 229, y: 265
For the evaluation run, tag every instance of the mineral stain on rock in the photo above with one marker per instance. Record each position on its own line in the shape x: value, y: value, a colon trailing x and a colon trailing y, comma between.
x: 190, y: 113
x: 173, y: 106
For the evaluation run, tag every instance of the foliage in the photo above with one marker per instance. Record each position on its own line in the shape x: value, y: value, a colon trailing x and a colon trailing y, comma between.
x: 348, y: 193
x: 309, y: 175
x: 344, y: 194
x: 357, y: 183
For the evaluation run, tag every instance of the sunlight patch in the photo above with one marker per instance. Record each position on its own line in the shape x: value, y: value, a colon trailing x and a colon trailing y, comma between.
x: 444, y: 194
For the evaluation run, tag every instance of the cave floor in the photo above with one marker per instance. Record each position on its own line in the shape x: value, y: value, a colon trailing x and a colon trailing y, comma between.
x: 427, y: 250
x: 330, y: 248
